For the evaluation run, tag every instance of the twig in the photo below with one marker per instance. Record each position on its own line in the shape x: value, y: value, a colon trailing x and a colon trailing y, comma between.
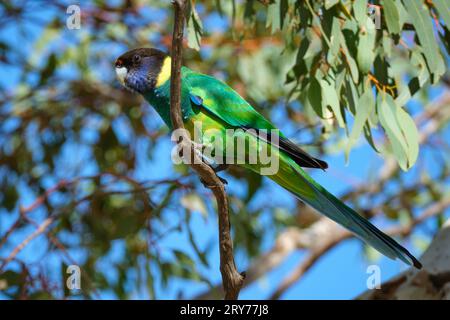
x: 306, y: 264
x: 53, y: 239
x: 232, y: 280
x: 23, y: 211
x: 41, y: 229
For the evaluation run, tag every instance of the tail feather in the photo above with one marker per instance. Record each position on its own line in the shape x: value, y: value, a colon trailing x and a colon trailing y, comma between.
x: 330, y: 206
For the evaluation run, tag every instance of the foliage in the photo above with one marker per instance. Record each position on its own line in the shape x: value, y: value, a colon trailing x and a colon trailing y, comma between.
x: 347, y: 56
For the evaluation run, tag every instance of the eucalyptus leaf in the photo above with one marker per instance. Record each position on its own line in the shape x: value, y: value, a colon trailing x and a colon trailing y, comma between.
x: 366, y: 53
x: 391, y: 16
x: 409, y: 129
x: 387, y: 112
x: 330, y: 98
x: 194, y: 28
x: 366, y: 104
x: 424, y: 28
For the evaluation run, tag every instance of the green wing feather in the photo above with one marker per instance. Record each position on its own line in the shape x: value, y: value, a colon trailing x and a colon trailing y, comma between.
x: 225, y: 103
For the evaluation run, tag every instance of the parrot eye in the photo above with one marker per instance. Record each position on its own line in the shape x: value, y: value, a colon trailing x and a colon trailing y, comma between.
x: 119, y: 64
x: 136, y: 58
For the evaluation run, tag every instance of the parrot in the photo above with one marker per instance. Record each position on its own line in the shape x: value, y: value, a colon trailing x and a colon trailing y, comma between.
x: 211, y: 102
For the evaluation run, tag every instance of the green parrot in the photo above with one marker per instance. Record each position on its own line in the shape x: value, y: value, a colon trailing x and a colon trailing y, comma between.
x: 217, y: 107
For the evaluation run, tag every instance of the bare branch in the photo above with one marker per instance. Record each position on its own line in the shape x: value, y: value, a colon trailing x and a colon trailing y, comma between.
x: 23, y: 211
x: 231, y: 279
x: 41, y: 229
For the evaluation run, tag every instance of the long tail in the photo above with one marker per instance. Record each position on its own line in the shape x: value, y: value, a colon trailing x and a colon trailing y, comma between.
x: 293, y: 178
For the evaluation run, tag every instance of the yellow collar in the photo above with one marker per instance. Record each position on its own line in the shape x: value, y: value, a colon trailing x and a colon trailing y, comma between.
x: 164, y: 74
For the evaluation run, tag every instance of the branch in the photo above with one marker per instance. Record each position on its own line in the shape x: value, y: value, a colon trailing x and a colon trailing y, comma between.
x: 41, y: 229
x: 23, y: 211
x: 231, y: 279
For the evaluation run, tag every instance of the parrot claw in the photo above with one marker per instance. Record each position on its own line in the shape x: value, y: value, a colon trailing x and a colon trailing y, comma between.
x: 221, y: 167
x: 224, y: 181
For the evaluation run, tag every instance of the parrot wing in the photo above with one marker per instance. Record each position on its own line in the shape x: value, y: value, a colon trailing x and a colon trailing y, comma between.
x: 223, y: 102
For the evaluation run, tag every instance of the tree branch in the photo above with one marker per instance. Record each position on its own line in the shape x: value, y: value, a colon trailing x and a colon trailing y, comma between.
x: 41, y: 229
x: 231, y: 279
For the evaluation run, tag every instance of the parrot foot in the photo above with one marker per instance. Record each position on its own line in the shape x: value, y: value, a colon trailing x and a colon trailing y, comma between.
x: 221, y: 167
x: 218, y: 168
x: 224, y: 181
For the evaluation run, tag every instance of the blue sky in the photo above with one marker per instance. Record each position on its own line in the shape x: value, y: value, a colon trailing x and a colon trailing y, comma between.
x: 340, y: 274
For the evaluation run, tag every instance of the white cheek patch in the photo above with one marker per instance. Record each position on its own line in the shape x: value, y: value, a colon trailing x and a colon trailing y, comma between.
x: 121, y: 74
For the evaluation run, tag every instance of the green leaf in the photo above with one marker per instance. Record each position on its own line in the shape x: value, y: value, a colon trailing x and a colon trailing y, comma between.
x: 352, y: 95
x: 387, y: 45
x: 273, y: 16
x: 194, y: 29
x: 366, y: 44
x: 387, y: 112
x: 421, y: 70
x: 365, y: 106
x: 403, y: 15
x: 283, y: 11
x: 360, y: 11
x: 403, y: 94
x: 340, y: 79
x: 335, y: 41
x: 349, y: 59
x: 409, y: 129
x: 369, y: 137
x: 330, y: 3
x: 330, y: 98
x: 424, y: 28
x: 315, y: 96
x: 391, y: 16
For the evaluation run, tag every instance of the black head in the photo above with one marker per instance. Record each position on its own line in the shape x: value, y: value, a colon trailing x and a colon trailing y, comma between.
x: 139, y: 69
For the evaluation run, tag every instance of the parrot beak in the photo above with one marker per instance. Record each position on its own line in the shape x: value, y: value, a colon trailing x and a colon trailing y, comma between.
x: 121, y: 74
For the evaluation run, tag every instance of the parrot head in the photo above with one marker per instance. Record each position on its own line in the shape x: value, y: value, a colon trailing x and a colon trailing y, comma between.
x: 143, y: 69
